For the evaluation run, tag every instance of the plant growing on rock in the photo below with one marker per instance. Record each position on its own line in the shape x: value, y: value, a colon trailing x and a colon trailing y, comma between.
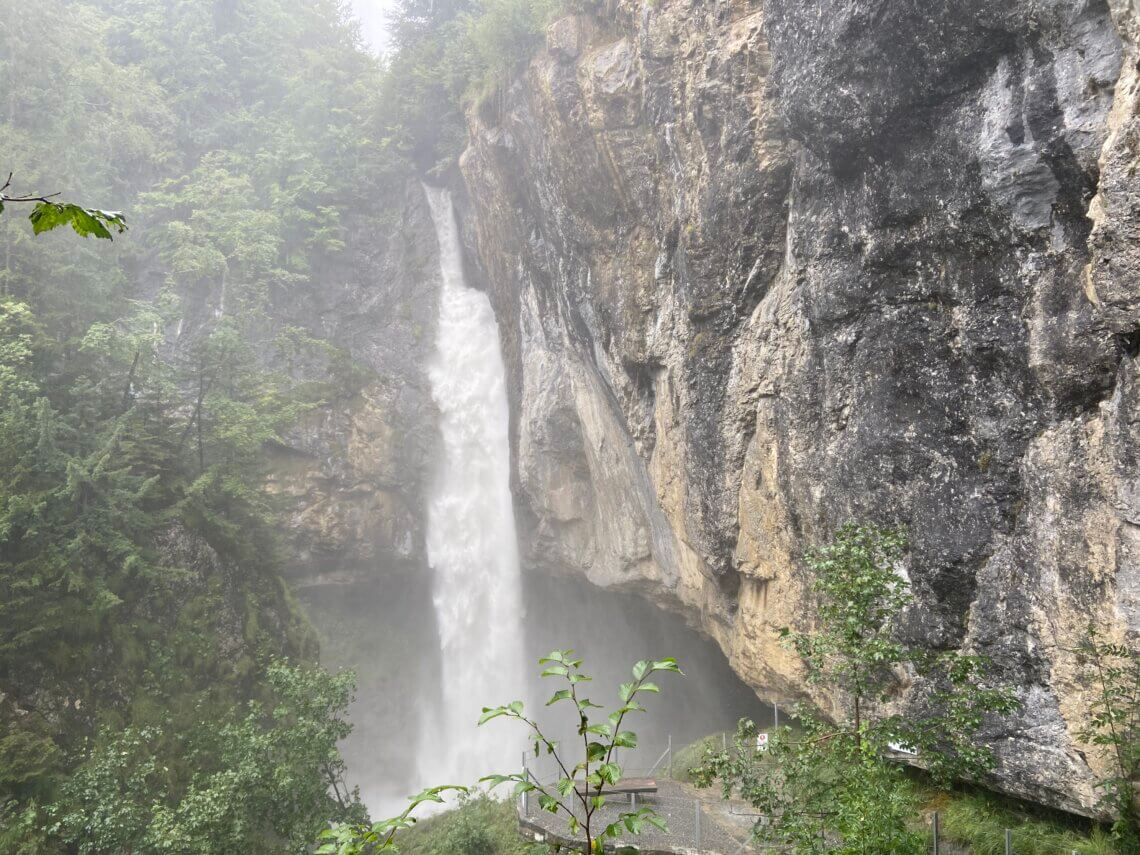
x: 835, y: 779
x: 1114, y: 722
x: 580, y: 791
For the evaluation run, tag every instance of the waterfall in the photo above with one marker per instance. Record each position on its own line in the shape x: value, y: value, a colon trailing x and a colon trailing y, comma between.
x: 471, y: 541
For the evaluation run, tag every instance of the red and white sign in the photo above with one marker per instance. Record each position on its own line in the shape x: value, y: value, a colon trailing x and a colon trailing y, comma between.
x: 761, y: 742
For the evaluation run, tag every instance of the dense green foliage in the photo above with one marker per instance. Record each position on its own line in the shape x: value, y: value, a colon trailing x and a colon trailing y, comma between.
x: 970, y: 817
x: 979, y: 820
x: 255, y: 148
x: 448, y: 55
x: 258, y: 780
x: 479, y: 825
x: 830, y: 786
x: 141, y: 610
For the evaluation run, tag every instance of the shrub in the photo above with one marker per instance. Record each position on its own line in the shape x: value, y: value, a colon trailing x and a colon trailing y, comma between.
x: 480, y: 825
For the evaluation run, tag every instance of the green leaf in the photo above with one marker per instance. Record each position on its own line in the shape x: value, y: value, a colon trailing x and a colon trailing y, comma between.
x: 656, y: 821
x: 560, y: 695
x: 625, y: 739
x: 85, y: 222
x: 496, y: 780
x: 491, y: 713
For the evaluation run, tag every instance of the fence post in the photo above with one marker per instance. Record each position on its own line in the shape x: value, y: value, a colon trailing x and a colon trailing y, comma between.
x: 1008, y: 842
x: 936, y: 833
x: 723, y: 741
x: 670, y: 748
x: 525, y: 794
x: 697, y: 823
x: 776, y: 713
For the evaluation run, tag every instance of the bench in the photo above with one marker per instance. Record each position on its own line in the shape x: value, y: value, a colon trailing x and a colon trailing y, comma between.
x: 633, y: 787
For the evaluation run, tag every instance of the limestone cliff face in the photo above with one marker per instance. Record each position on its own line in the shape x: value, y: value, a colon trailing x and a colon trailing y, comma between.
x: 352, y: 477
x: 354, y: 470
x: 765, y: 266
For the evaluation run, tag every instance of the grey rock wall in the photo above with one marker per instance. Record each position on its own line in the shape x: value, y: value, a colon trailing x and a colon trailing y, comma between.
x: 352, y: 477
x: 354, y: 471
x: 764, y: 267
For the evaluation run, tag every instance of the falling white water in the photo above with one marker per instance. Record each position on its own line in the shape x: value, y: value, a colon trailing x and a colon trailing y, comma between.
x: 471, y: 541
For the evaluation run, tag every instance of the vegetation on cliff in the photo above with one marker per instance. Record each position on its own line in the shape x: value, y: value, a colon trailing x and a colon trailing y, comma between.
x: 835, y: 780
x: 255, y: 148
x: 447, y: 56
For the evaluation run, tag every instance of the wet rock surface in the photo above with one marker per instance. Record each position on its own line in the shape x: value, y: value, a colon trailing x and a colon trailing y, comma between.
x: 765, y: 267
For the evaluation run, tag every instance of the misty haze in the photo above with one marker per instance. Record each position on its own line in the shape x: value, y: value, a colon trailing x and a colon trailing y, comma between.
x: 504, y: 427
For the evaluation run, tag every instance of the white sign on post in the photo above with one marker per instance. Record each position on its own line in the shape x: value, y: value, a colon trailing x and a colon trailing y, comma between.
x: 761, y: 742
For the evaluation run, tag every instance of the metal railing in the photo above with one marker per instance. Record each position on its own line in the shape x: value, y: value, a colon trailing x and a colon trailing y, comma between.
x: 663, y: 763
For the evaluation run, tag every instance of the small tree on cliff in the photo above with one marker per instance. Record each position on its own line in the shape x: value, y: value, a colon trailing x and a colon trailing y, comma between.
x: 1114, y: 722
x: 834, y: 778
x: 579, y: 792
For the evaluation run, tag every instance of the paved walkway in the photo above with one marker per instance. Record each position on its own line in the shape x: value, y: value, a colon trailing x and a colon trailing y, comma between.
x: 722, y: 832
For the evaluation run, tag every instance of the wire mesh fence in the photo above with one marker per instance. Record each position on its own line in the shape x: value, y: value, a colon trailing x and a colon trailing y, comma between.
x: 691, y: 825
x: 706, y: 825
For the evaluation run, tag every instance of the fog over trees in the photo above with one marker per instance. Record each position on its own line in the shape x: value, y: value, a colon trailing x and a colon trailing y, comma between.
x: 267, y: 381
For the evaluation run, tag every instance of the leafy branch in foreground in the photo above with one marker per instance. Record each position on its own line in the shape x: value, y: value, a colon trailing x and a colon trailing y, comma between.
x: 1114, y: 722
x: 580, y: 791
x: 352, y: 839
x: 835, y: 778
x: 48, y: 214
